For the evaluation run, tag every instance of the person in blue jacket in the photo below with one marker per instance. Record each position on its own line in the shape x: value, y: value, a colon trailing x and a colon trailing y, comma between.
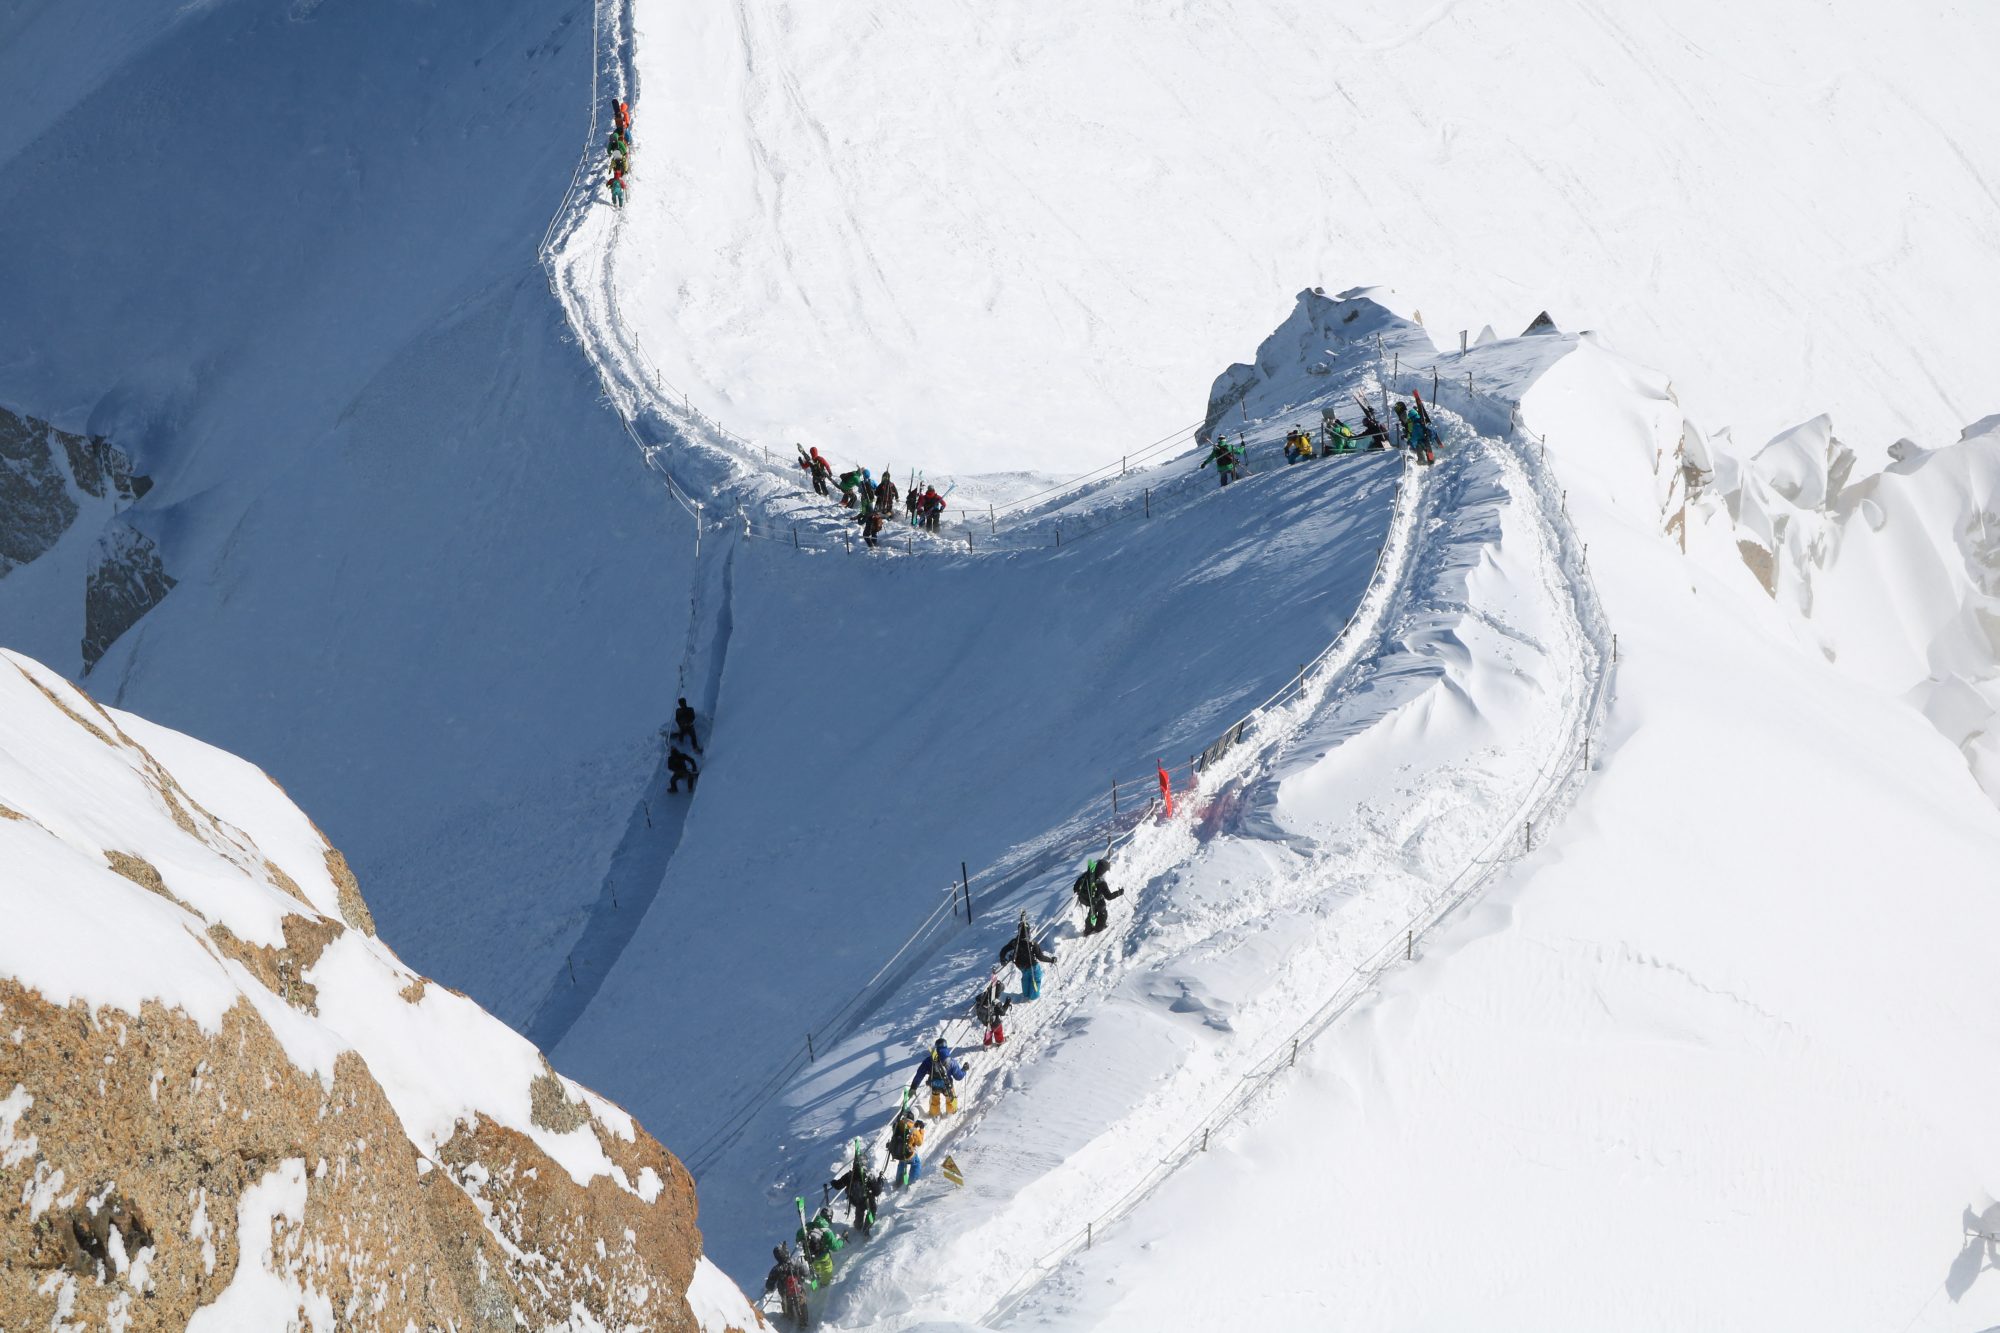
x: 941, y: 1070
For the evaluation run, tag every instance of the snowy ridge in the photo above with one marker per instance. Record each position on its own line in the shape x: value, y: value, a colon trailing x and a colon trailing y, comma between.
x: 1099, y: 818
x: 1161, y: 1135
x: 1545, y: 799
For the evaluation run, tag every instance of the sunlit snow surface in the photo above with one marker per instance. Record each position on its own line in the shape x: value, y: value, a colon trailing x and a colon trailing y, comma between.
x: 976, y: 236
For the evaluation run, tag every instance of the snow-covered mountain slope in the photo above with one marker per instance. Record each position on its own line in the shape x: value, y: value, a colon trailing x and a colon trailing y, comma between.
x: 281, y: 1124
x: 284, y: 257
x: 969, y: 237
x: 1707, y: 1057
x: 1329, y: 841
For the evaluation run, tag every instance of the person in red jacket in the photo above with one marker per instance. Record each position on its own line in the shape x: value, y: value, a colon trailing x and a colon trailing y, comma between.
x: 933, y: 509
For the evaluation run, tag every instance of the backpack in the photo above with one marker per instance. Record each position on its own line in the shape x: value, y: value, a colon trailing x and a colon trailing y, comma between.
x: 905, y: 1137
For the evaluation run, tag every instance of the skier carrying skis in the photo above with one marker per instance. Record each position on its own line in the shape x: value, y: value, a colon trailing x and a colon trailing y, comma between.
x: 817, y: 1242
x: 989, y: 1007
x: 815, y: 467
x: 1224, y: 459
x: 1372, y: 429
x: 862, y: 1186
x: 885, y: 495
x: 941, y: 1070
x: 850, y: 481
x: 1025, y: 954
x: 1423, y: 434
x: 933, y: 509
x: 684, y: 726
x: 1339, y: 435
x: 1094, y: 894
x: 871, y: 523
x: 617, y: 184
x: 789, y: 1277
x: 913, y: 500
x: 906, y: 1141
x: 679, y: 766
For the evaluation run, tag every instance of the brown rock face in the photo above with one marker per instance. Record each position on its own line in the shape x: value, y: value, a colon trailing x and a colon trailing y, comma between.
x: 127, y: 1142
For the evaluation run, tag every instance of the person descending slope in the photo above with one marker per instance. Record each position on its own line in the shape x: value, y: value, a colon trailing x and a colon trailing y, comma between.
x: 941, y: 1070
x: 1024, y: 953
x: 906, y: 1141
x: 989, y: 1007
x: 1094, y: 894
x: 1224, y: 458
x: 680, y: 766
x: 790, y: 1277
x: 684, y: 726
x: 862, y: 1186
x: 818, y: 1242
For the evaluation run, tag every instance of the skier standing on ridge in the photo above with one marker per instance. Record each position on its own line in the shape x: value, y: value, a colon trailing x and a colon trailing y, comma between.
x: 684, y: 726
x: 1025, y: 954
x: 906, y: 1141
x: 679, y: 766
x: 940, y: 1070
x: 1224, y: 459
x: 1094, y: 894
x: 863, y: 1187
x: 989, y: 1007
x: 1423, y: 434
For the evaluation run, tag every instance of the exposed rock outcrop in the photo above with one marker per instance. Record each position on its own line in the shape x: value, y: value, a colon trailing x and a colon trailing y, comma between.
x: 225, y: 1105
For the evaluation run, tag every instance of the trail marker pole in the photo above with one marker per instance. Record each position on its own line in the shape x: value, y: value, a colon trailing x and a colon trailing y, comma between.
x: 1461, y: 342
x: 795, y: 536
x: 571, y: 960
x: 1114, y: 796
x: 697, y: 529
x: 1204, y: 1140
x: 1410, y: 946
x: 965, y: 881
x: 1149, y: 502
x: 1434, y: 382
x: 1528, y: 835
x: 1295, y: 1053
x: 810, y: 1057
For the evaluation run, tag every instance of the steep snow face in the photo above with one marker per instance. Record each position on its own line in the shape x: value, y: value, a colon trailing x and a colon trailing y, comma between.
x: 974, y: 236
x: 167, y: 904
x: 1715, y: 1028
x: 284, y: 256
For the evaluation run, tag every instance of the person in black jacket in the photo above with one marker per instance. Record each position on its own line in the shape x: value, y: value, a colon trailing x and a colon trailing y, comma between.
x: 1094, y: 894
x: 680, y: 767
x: 1024, y: 953
x: 684, y: 726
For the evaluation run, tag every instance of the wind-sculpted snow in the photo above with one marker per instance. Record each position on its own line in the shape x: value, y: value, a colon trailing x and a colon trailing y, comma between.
x: 1697, y: 1038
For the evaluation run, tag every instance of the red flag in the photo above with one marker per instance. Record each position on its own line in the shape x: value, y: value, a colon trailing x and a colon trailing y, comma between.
x: 1166, y: 789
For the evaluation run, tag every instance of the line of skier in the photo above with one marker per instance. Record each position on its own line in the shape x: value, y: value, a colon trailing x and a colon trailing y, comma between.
x: 1414, y: 430
x: 618, y: 149
x: 874, y: 502
x: 681, y: 766
x: 939, y: 1070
